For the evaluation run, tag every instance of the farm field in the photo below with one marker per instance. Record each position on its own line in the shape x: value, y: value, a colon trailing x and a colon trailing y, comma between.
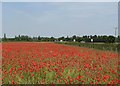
x: 51, y: 63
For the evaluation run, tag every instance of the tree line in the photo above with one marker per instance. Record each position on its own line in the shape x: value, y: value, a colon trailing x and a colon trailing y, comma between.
x: 85, y: 38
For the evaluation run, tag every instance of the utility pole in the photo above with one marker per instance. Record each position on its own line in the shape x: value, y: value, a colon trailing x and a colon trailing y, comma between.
x: 115, y: 33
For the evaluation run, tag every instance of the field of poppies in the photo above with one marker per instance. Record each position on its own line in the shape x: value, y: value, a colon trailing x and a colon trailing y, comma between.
x: 50, y: 63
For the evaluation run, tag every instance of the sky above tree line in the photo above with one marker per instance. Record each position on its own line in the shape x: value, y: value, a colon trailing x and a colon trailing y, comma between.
x: 59, y: 18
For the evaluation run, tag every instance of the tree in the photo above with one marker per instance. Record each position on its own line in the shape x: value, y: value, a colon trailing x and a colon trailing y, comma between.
x: 118, y: 39
x: 67, y: 39
x: 39, y: 38
x: 86, y: 38
x: 61, y: 38
x: 74, y: 36
x: 52, y: 39
x: 4, y: 36
x: 79, y: 39
x: 19, y: 37
x: 111, y: 39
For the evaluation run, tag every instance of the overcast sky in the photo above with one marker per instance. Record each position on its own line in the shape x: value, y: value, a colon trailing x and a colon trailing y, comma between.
x: 59, y: 18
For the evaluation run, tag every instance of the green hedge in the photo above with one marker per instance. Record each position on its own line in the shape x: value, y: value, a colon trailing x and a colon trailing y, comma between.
x: 100, y: 46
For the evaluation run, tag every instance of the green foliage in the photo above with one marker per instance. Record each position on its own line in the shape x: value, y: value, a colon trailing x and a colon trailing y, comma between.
x: 100, y: 46
x: 103, y: 39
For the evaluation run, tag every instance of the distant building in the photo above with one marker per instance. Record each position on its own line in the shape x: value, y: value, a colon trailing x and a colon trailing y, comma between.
x: 74, y: 40
x: 35, y: 38
x: 91, y: 40
x: 82, y: 42
x: 61, y: 40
